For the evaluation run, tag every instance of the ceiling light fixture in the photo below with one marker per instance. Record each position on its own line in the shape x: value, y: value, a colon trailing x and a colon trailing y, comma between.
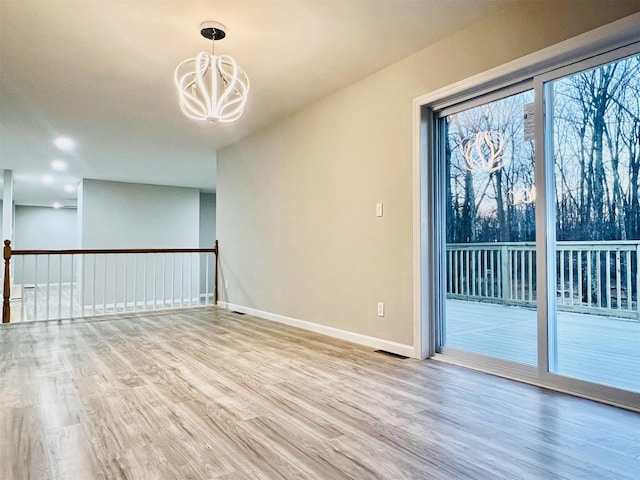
x: 212, y: 87
x: 69, y: 188
x: 59, y: 165
x: 57, y: 205
x: 65, y: 144
x: 48, y: 179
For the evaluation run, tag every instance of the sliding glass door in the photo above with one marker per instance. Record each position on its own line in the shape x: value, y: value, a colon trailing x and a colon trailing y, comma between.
x: 594, y: 129
x: 536, y: 201
x: 489, y: 210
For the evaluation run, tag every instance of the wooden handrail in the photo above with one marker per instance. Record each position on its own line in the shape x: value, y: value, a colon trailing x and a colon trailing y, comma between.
x: 8, y: 253
x: 112, y: 251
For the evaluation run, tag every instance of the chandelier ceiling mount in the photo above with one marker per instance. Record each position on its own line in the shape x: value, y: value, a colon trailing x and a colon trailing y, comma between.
x: 212, y: 87
x: 213, y: 30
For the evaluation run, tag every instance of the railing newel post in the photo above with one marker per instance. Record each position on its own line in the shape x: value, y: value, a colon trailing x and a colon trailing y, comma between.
x: 6, y: 291
x: 216, y: 250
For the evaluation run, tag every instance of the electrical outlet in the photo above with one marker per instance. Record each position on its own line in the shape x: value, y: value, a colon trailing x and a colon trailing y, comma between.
x: 226, y: 284
x: 380, y: 309
x: 379, y: 209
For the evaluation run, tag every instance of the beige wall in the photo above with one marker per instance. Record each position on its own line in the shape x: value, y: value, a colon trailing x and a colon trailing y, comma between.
x: 135, y: 215
x: 296, y: 201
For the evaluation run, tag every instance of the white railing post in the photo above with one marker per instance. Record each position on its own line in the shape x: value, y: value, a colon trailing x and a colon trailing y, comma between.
x: 505, y: 273
x: 608, y: 277
x: 46, y: 310
x: 104, y: 287
x: 115, y: 283
x: 579, y: 265
x: 570, y: 277
x: 628, y: 277
x: 35, y: 289
x: 598, y: 278
x: 144, y: 296
x: 60, y: 286
x: 472, y: 273
x: 456, y: 275
x: 73, y: 278
x: 637, y: 281
x: 618, y: 281
x: 135, y: 282
x: 93, y: 288
x: 155, y: 280
x: 561, y: 263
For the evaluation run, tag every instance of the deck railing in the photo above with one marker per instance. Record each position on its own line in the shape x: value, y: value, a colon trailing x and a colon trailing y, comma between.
x: 60, y: 284
x: 592, y: 277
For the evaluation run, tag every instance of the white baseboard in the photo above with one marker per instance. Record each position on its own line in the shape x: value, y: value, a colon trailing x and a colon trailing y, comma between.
x: 365, y: 340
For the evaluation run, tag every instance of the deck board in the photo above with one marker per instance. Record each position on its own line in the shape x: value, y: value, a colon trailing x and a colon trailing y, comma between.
x: 590, y: 347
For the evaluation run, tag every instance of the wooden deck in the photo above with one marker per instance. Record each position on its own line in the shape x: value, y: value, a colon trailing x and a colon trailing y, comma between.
x: 206, y: 394
x: 595, y: 348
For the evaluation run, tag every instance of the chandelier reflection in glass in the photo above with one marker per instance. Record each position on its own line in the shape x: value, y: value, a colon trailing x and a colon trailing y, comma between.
x: 521, y: 196
x: 483, y: 153
x: 212, y: 87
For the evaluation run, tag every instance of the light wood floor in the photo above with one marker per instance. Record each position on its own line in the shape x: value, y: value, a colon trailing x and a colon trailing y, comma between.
x: 204, y: 394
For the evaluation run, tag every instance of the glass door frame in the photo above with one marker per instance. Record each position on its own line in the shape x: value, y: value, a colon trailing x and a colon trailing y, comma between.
x: 546, y: 235
x: 435, y: 118
x: 439, y: 118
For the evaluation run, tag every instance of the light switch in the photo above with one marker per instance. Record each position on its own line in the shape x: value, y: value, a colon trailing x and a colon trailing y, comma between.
x: 379, y: 209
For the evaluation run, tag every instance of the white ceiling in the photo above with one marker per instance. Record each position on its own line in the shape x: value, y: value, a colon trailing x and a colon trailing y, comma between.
x: 101, y: 72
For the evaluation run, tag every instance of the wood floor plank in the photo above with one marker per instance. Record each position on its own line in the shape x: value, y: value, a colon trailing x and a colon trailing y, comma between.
x: 207, y: 394
x: 23, y: 452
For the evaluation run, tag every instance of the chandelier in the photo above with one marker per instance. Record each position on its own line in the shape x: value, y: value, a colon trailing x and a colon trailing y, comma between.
x: 212, y: 87
x: 522, y: 196
x: 483, y: 153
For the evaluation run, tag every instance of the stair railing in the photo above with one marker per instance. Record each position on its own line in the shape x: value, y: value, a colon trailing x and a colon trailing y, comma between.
x: 58, y: 284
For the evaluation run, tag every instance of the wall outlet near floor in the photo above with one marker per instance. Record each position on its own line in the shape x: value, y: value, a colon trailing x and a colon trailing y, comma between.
x: 380, y: 309
x: 379, y: 209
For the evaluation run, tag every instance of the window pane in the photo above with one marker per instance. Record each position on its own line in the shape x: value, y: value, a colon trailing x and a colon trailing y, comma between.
x: 490, y: 230
x: 596, y: 145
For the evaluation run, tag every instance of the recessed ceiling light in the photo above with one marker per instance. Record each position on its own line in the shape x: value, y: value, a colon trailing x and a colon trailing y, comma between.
x: 48, y: 179
x: 69, y: 188
x: 65, y: 144
x: 57, y: 205
x: 59, y: 165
